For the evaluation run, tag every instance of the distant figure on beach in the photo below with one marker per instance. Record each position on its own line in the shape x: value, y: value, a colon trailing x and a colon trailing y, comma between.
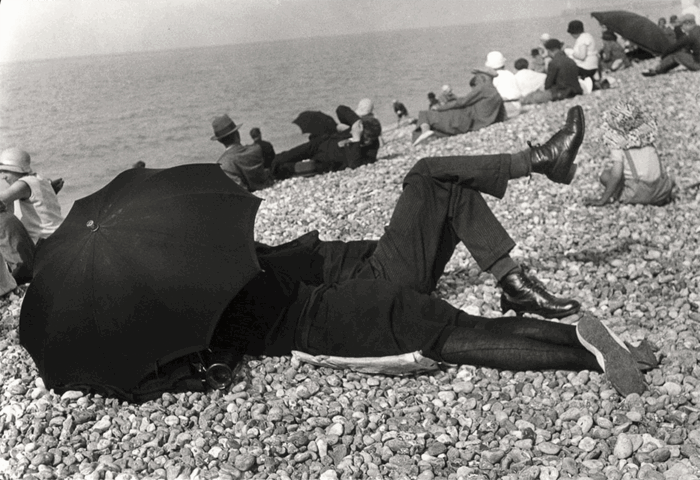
x: 432, y: 100
x: 446, y: 95
x: 636, y: 174
x: 505, y: 83
x: 562, y: 77
x: 537, y: 63
x: 351, y: 148
x: 612, y: 55
x: 40, y: 213
x: 528, y: 80
x: 139, y: 164
x: 543, y: 51
x: 690, y: 7
x: 584, y: 52
x: 243, y: 164
x: 400, y: 111
x: 684, y: 52
x: 481, y: 107
x: 268, y: 151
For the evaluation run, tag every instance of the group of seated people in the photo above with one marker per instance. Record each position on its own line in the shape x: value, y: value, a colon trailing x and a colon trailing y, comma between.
x: 496, y: 94
x: 351, y: 143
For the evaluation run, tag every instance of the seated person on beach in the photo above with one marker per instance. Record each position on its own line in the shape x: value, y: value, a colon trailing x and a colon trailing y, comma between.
x: 268, y: 151
x: 332, y: 152
x: 562, y: 77
x: 446, y: 95
x: 584, y: 52
x: 505, y: 83
x: 612, y: 55
x: 528, y: 80
x: 537, y: 63
x: 39, y: 208
x: 243, y: 164
x: 400, y: 111
x: 481, y: 107
x: 669, y: 29
x: 636, y: 175
x: 367, y: 305
x: 684, y: 52
x: 432, y: 100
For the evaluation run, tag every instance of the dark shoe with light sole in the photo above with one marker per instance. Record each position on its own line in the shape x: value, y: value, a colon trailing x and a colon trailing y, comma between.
x: 650, y: 73
x: 524, y: 294
x: 612, y: 355
x: 555, y: 159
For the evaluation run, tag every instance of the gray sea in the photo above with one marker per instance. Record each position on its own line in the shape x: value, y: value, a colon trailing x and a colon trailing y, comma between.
x: 86, y: 119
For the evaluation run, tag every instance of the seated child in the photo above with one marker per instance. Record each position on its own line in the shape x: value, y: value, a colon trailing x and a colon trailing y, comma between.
x: 612, y: 55
x: 636, y: 174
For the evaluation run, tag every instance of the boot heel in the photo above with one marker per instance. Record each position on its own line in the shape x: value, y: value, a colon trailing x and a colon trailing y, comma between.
x: 508, y: 305
x: 572, y: 171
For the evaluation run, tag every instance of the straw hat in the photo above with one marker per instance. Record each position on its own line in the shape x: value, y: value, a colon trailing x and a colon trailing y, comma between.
x: 223, y: 127
x: 15, y: 160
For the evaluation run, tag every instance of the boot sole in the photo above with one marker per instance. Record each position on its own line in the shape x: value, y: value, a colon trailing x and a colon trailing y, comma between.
x: 612, y: 356
x: 519, y: 309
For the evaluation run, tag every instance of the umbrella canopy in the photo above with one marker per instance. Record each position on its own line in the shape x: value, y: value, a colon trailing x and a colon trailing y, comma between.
x: 138, y: 274
x: 635, y: 28
x: 315, y: 123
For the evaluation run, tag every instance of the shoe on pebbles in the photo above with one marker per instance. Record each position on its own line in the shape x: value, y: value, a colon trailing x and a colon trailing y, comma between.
x: 613, y: 357
x: 423, y: 137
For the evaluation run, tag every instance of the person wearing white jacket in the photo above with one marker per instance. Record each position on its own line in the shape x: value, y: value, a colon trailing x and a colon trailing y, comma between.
x: 505, y: 83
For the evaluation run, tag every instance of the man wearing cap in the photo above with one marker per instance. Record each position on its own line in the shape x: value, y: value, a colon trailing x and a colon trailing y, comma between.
x: 562, y: 77
x: 39, y: 208
x: 685, y: 51
x: 242, y: 163
x: 481, y: 107
x: 505, y: 83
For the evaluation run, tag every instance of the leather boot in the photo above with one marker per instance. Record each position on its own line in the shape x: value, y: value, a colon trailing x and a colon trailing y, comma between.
x: 524, y: 294
x: 556, y: 157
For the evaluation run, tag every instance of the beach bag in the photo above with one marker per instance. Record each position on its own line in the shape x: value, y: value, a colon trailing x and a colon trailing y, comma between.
x: 659, y: 192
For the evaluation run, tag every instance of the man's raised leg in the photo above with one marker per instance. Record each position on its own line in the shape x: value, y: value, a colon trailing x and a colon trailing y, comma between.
x: 441, y: 205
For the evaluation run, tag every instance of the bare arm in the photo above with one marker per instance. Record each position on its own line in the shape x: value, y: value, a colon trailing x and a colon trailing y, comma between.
x: 17, y: 191
x: 613, y: 187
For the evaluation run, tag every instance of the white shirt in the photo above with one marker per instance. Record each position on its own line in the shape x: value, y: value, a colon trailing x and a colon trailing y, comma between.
x: 41, y: 212
x: 584, y: 52
x: 507, y: 86
x: 529, y: 81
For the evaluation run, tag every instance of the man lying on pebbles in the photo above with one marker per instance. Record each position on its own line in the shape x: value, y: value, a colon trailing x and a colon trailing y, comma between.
x: 367, y: 306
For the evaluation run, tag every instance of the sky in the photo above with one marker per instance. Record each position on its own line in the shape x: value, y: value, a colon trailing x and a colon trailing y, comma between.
x: 39, y: 29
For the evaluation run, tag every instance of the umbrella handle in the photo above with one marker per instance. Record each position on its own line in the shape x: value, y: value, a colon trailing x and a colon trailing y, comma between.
x: 219, y: 376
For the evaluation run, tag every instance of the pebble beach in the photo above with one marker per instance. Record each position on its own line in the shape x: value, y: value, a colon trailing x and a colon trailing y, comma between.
x: 635, y: 267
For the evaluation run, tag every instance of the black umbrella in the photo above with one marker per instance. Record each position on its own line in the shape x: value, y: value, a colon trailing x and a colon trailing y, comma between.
x: 635, y: 28
x: 315, y: 123
x: 138, y: 274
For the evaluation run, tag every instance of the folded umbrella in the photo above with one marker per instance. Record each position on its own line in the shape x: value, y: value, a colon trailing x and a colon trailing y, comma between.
x: 315, y: 123
x: 635, y: 28
x: 137, y: 275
